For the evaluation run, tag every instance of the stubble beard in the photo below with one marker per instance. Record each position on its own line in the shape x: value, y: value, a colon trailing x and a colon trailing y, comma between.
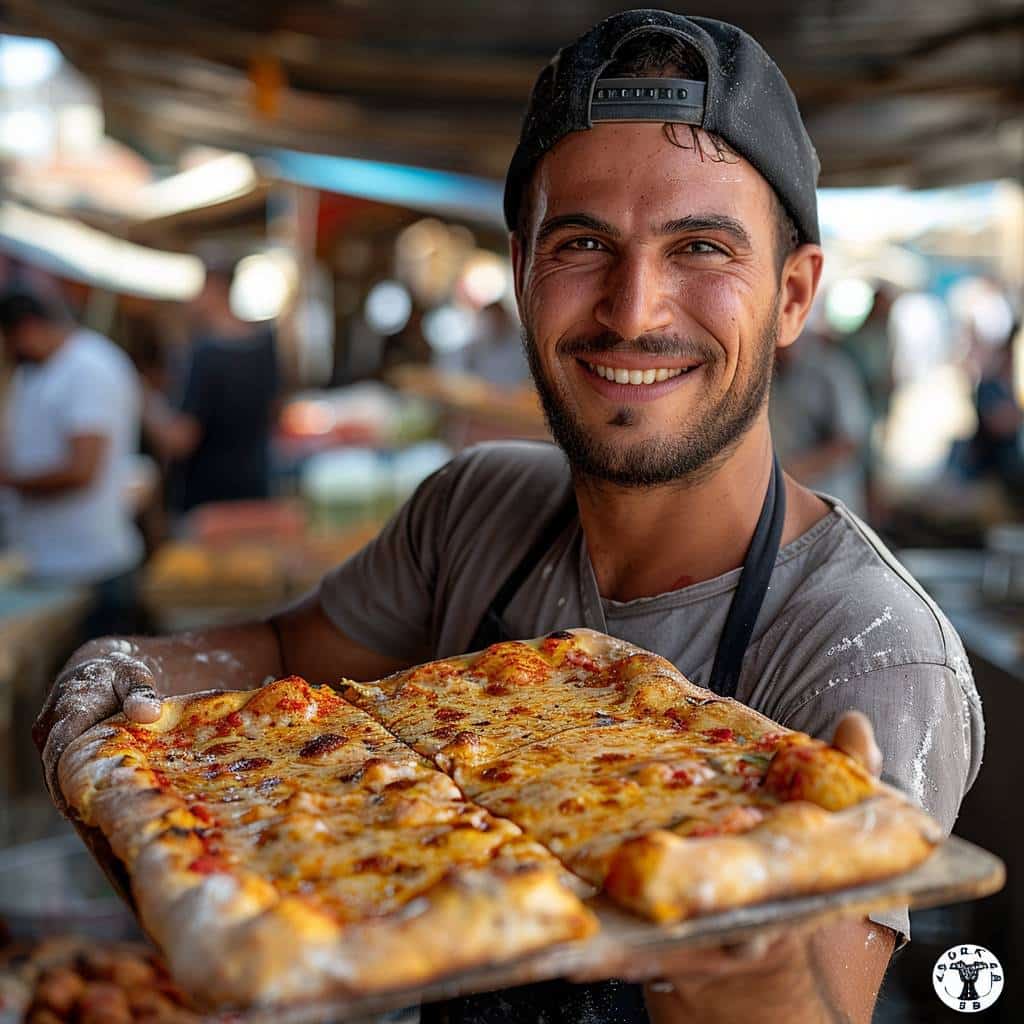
x: 684, y: 459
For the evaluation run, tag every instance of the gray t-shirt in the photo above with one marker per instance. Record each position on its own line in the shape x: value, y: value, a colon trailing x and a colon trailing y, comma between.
x: 843, y: 625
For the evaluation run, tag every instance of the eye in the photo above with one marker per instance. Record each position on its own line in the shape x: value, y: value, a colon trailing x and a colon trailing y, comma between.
x: 583, y: 244
x: 701, y: 247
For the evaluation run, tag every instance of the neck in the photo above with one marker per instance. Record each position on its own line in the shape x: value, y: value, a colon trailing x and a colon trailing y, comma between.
x: 224, y: 324
x: 55, y: 340
x: 649, y: 541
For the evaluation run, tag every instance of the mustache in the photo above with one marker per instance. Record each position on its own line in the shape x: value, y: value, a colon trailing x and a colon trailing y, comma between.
x: 649, y: 344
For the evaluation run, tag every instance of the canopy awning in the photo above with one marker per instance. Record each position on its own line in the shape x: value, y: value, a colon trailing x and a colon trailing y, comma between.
x: 72, y: 250
x: 915, y: 93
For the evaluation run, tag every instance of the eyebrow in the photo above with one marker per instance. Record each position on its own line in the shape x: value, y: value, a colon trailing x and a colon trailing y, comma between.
x: 695, y: 222
x: 708, y: 222
x: 575, y: 220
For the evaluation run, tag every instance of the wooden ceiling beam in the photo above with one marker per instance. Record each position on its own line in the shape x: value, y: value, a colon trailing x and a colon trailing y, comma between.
x: 445, y: 84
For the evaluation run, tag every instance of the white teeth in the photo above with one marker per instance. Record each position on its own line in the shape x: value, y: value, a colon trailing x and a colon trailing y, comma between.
x: 635, y: 377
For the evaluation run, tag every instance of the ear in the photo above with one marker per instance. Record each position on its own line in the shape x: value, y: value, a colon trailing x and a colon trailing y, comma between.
x: 518, y: 266
x: 798, y: 286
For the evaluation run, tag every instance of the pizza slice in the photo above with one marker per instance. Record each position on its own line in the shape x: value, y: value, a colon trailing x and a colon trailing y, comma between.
x: 281, y: 845
x: 469, y: 710
x: 674, y: 800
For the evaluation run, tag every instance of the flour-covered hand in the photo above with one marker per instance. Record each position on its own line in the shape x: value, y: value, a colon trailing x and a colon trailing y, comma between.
x: 102, y: 678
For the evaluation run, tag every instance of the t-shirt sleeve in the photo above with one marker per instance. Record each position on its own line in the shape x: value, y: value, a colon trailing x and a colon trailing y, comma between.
x: 383, y: 596
x: 929, y: 727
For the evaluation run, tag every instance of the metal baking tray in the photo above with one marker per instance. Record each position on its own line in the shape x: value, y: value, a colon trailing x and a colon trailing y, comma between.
x: 628, y: 946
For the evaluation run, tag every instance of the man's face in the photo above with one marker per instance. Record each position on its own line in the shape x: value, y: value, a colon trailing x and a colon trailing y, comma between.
x: 31, y: 341
x: 213, y: 298
x: 655, y: 266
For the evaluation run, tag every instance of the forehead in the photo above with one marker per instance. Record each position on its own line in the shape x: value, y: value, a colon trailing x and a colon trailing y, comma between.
x: 630, y: 173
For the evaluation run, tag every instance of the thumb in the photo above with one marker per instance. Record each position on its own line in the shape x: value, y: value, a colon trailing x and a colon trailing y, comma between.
x: 135, y: 686
x: 855, y: 737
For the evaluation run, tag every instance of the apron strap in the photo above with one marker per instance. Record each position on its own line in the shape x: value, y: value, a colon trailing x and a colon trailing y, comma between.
x: 752, y: 588
x: 743, y: 611
x: 490, y: 629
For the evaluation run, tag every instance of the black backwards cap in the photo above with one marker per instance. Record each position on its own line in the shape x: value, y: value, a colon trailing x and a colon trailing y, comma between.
x: 746, y: 102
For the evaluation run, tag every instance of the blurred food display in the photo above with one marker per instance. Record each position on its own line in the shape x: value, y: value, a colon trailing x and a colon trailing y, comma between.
x: 74, y: 980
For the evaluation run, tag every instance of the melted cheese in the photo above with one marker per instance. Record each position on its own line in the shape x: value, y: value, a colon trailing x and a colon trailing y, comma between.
x: 310, y: 794
x: 587, y: 744
x: 470, y: 710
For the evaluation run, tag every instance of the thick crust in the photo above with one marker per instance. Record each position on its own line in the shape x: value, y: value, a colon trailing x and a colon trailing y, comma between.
x: 112, y: 788
x: 800, y: 848
x: 512, y: 910
x: 234, y: 937
x: 230, y: 940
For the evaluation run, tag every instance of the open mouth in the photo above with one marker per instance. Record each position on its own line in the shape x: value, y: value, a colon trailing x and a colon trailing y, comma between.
x: 637, y: 378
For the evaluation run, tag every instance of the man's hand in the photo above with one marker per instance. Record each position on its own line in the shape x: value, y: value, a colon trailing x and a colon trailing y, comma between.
x: 831, y: 974
x: 86, y: 453
x: 132, y: 674
x: 825, y: 976
x: 102, y: 678
x: 854, y: 736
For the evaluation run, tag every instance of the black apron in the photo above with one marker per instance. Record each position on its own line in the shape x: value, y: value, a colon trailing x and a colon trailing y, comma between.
x: 616, y: 1002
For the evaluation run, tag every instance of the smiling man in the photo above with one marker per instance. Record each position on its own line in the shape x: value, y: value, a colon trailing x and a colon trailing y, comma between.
x: 665, y: 307
x: 661, y: 204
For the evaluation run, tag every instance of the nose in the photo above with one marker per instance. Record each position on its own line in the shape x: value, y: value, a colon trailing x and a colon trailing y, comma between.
x: 635, y: 299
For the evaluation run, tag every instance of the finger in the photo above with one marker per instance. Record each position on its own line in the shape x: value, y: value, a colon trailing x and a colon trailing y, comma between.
x: 135, y: 688
x: 142, y: 704
x: 73, y: 714
x: 707, y: 962
x: 673, y: 968
x: 753, y: 948
x: 44, y: 720
x: 752, y: 955
x: 855, y: 737
x: 41, y: 727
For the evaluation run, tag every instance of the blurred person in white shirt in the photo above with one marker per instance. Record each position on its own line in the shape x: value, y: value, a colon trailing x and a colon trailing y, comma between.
x: 71, y: 425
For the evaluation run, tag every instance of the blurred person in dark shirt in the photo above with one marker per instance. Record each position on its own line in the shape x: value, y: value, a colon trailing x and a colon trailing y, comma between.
x: 820, y: 419
x: 497, y: 352
x: 216, y: 437
x: 994, y: 450
x: 869, y: 349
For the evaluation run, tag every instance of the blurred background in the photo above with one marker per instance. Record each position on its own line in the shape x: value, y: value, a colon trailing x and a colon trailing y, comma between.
x: 273, y: 234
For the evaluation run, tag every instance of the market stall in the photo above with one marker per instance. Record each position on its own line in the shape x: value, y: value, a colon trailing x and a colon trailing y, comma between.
x: 38, y: 627
x: 578, y: 720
